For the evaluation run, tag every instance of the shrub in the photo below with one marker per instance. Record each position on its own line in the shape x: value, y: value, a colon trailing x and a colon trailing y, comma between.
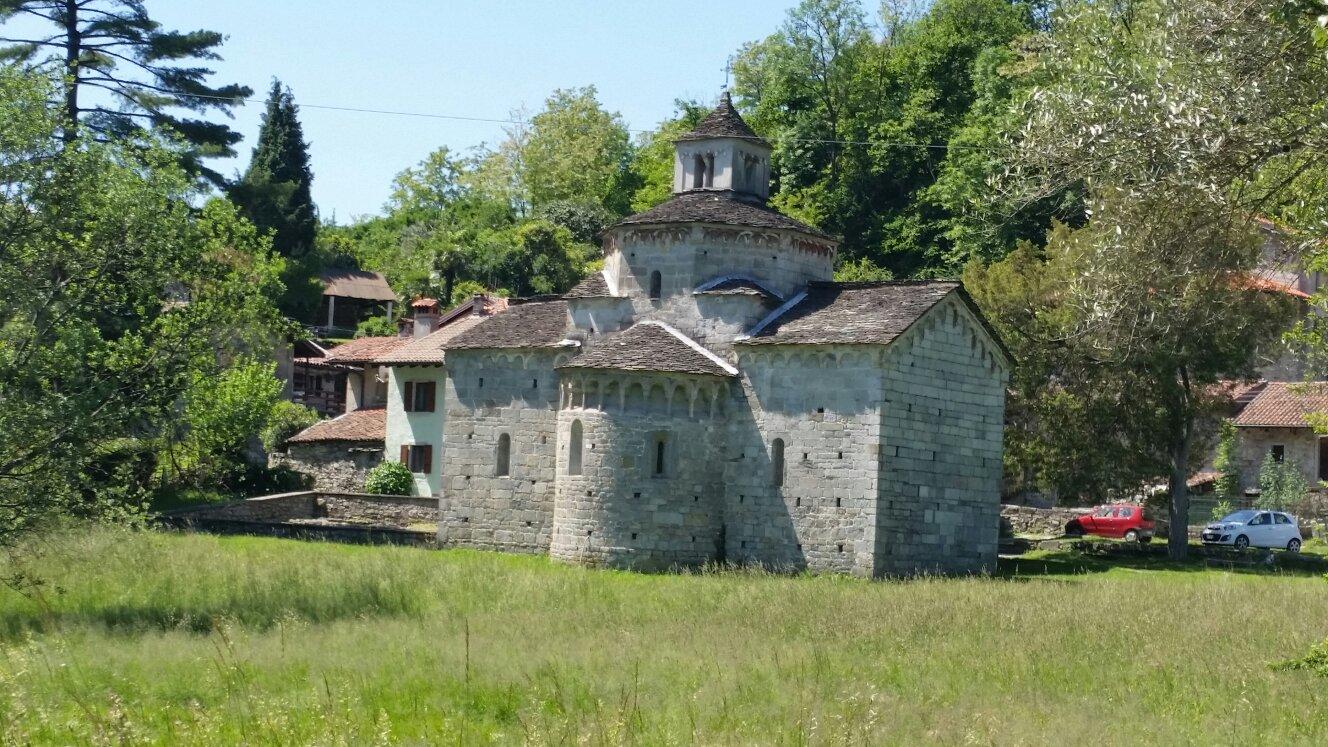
x: 1281, y: 484
x: 285, y: 420
x: 376, y: 326
x: 389, y: 478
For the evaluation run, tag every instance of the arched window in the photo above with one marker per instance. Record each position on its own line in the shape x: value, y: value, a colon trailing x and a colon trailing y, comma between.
x: 777, y: 462
x: 656, y: 285
x: 504, y: 455
x: 574, y: 450
x: 710, y: 170
x: 699, y: 172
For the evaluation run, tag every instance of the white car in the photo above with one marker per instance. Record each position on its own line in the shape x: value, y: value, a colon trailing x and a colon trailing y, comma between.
x: 1254, y: 528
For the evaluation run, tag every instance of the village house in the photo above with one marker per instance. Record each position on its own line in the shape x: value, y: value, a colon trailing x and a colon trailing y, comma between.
x: 712, y: 395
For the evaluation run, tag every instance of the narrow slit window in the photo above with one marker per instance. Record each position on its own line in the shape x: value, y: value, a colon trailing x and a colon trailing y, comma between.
x: 777, y: 462
x: 656, y: 285
x: 661, y: 455
x: 504, y: 455
x: 574, y: 449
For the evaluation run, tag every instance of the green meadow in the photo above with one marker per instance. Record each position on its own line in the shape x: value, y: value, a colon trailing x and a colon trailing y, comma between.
x: 145, y: 637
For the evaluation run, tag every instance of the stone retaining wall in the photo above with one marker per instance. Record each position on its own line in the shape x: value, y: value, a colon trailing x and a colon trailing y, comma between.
x: 387, y: 511
x: 1041, y: 522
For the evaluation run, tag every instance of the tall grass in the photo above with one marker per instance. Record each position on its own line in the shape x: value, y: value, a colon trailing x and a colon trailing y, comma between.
x: 197, y: 639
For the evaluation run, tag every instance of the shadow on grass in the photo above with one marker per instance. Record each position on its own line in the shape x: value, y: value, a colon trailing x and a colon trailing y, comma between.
x: 1104, y: 557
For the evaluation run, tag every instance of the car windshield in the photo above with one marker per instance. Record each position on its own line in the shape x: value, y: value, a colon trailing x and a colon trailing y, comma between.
x: 1240, y: 516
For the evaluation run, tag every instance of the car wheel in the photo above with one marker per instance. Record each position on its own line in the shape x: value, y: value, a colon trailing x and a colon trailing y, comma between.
x: 1073, y: 529
x: 1132, y: 536
x: 1293, y: 545
x: 1242, y: 542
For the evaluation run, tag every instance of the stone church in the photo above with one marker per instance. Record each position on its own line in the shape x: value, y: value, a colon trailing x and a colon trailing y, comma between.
x: 713, y: 395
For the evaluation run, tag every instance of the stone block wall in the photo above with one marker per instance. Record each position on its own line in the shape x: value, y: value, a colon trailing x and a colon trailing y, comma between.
x: 1301, y: 446
x: 618, y: 511
x: 332, y: 465
x: 489, y: 394
x: 823, y: 404
x: 687, y: 256
x: 941, y: 437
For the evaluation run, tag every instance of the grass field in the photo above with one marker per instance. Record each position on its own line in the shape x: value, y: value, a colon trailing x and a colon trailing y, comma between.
x: 145, y: 637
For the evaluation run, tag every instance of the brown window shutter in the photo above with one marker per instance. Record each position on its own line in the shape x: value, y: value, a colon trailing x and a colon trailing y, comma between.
x: 409, y: 403
x: 427, y: 458
x: 405, y: 455
x: 431, y: 388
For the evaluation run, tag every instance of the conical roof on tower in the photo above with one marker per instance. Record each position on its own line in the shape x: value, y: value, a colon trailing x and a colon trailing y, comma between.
x: 723, y: 121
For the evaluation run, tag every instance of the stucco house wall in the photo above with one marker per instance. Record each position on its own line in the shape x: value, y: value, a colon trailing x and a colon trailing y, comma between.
x: 417, y: 428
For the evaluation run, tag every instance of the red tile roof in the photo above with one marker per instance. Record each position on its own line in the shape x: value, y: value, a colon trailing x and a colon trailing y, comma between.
x: 369, y: 424
x: 1274, y: 286
x: 364, y: 349
x: 1284, y: 405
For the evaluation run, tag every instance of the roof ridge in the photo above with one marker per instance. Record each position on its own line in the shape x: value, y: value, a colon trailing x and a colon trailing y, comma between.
x: 693, y: 344
x: 882, y: 283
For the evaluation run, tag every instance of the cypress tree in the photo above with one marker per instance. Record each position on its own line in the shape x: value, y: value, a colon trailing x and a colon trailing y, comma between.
x: 274, y: 194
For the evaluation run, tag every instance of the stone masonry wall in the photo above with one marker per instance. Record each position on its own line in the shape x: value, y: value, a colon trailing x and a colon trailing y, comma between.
x: 332, y: 465
x: 687, y: 256
x: 942, y: 427
x: 617, y: 511
x: 822, y: 403
x: 1301, y: 446
x: 488, y: 394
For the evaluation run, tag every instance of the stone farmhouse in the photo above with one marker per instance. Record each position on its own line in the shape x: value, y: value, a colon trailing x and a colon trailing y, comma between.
x: 710, y: 395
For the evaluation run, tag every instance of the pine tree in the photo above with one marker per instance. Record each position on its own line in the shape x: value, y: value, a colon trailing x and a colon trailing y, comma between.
x: 122, y: 74
x: 274, y: 193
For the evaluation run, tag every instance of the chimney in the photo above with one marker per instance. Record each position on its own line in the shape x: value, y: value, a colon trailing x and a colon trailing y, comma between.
x: 426, y: 316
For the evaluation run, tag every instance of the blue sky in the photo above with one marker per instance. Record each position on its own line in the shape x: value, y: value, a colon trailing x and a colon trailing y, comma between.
x: 483, y: 59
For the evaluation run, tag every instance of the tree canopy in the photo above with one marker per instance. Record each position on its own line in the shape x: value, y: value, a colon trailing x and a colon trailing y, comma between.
x: 123, y: 74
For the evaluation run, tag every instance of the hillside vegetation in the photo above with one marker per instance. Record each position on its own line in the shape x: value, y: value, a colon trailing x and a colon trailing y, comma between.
x: 145, y: 637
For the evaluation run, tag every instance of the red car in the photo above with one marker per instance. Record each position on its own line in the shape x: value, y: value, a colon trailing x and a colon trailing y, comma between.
x: 1122, y: 520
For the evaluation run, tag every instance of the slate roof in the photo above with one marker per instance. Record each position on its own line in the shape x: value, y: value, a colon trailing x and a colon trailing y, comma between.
x: 651, y: 346
x: 368, y: 286
x: 594, y: 286
x: 368, y: 424
x: 428, y: 350
x: 872, y: 313
x: 717, y: 207
x: 723, y: 121
x: 527, y: 323
x: 1284, y: 405
x: 364, y: 349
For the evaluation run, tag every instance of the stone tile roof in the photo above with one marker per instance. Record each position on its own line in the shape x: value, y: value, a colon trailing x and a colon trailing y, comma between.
x: 717, y: 207
x: 594, y: 286
x: 368, y: 286
x: 368, y: 424
x: 736, y: 285
x: 1284, y: 405
x: 428, y: 350
x: 723, y: 121
x: 651, y: 346
x: 527, y: 323
x: 872, y: 313
x: 364, y: 349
